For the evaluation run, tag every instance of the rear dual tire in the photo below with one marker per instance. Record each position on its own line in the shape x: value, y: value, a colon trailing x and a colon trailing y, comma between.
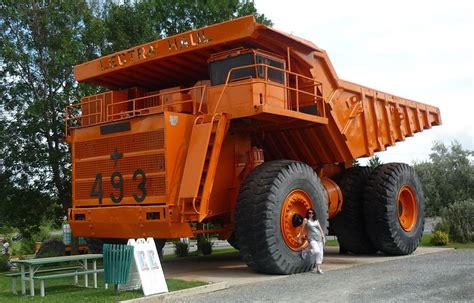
x: 349, y: 225
x: 394, y: 208
x: 383, y: 210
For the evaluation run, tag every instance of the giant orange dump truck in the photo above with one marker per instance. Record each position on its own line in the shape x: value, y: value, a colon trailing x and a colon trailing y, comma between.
x: 246, y: 128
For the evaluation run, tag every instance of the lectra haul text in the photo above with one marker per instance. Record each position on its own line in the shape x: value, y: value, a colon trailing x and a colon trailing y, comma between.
x: 151, y: 50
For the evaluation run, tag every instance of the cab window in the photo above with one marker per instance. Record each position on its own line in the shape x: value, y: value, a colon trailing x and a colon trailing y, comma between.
x: 273, y: 74
x: 219, y: 69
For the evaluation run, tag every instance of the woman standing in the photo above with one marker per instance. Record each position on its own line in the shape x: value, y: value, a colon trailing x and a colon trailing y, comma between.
x: 315, y: 236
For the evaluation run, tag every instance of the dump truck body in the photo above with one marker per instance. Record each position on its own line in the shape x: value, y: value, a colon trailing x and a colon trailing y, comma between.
x: 189, y: 119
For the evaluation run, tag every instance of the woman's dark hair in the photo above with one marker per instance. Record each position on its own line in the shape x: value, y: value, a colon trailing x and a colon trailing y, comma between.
x: 314, y: 214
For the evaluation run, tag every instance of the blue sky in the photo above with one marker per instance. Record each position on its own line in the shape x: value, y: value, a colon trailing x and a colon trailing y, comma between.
x: 420, y: 50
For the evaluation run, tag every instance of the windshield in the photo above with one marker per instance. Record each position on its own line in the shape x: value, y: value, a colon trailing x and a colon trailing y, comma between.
x: 218, y: 69
x: 273, y: 74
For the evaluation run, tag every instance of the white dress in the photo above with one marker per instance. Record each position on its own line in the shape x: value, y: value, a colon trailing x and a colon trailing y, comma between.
x: 315, y: 240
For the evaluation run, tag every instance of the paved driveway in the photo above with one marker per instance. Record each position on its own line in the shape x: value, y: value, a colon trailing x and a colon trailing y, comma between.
x: 442, y: 276
x: 234, y: 271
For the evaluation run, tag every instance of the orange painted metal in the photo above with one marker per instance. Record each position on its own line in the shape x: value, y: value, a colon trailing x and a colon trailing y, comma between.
x: 126, y: 222
x: 196, y: 156
x: 333, y: 196
x: 167, y: 148
x: 296, y: 204
x: 407, y: 208
x: 106, y: 70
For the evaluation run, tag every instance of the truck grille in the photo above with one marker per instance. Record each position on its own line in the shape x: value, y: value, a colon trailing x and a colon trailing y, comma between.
x: 141, y: 151
x: 126, y: 144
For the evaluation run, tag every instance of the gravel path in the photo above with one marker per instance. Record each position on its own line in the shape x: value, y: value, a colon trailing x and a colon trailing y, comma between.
x: 445, y: 276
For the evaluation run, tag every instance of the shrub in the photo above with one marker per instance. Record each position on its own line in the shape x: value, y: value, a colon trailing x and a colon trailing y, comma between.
x: 205, y: 247
x: 181, y: 249
x: 439, y: 238
x: 24, y: 247
x: 51, y: 248
x: 459, y: 216
x: 4, y: 264
x: 440, y: 226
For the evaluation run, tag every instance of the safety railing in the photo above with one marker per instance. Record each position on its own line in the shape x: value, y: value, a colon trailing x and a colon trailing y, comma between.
x: 298, y: 89
x: 296, y: 86
x: 75, y: 116
x: 93, y: 112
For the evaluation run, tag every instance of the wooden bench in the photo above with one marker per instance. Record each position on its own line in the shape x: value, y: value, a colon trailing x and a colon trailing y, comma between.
x: 15, y: 275
x: 74, y: 274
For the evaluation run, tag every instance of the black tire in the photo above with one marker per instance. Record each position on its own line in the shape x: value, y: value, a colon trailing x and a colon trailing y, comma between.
x: 348, y: 225
x: 233, y: 241
x: 258, y: 215
x: 381, y: 209
x: 160, y: 244
x: 95, y: 245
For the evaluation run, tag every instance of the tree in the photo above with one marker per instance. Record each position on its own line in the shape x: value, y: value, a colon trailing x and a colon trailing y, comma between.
x: 23, y: 208
x: 355, y: 163
x: 374, y: 162
x: 40, y: 42
x: 135, y: 22
x: 447, y: 177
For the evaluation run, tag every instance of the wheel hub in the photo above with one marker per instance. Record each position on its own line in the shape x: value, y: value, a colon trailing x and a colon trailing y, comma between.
x: 292, y: 213
x: 407, y: 208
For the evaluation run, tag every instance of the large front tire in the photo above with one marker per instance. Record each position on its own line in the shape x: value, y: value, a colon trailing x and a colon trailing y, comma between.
x: 233, y: 241
x: 272, y: 203
x: 394, y: 209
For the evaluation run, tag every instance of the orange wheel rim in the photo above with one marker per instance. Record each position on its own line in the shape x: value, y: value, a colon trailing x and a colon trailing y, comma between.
x: 296, y: 204
x: 407, y: 207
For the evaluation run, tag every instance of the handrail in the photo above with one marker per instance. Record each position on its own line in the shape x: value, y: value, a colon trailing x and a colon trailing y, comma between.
x: 214, y: 116
x: 105, y: 112
x: 111, y: 114
x: 108, y: 114
x: 287, y: 74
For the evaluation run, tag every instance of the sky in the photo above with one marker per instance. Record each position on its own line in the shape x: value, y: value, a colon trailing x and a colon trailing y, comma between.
x: 420, y: 50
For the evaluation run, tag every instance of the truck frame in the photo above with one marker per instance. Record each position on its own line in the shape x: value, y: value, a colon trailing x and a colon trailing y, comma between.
x: 245, y: 128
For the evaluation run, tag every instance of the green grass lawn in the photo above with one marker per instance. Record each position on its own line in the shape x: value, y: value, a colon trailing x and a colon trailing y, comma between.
x: 425, y: 241
x: 62, y: 290
x: 332, y: 243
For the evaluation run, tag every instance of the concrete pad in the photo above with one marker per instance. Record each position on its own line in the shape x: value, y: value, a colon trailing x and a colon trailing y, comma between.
x: 227, y: 270
x: 231, y: 269
x: 333, y: 260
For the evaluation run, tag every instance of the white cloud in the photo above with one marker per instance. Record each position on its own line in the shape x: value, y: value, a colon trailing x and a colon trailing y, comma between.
x: 420, y: 50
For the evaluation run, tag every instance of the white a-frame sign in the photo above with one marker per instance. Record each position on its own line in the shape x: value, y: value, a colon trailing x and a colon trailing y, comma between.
x: 147, y: 265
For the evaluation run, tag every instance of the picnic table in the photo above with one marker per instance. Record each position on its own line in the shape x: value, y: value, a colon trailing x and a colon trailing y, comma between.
x: 31, y: 267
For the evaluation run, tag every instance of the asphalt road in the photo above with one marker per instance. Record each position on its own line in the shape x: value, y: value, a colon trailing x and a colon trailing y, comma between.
x: 444, y: 276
